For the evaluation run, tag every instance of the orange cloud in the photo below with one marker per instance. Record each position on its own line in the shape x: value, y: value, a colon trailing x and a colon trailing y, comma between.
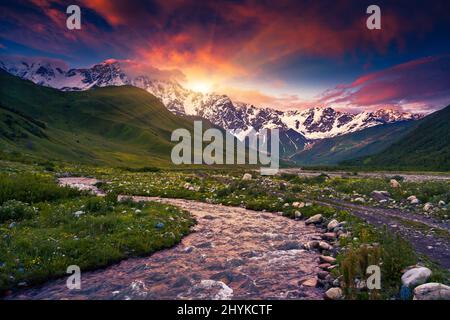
x: 260, y: 99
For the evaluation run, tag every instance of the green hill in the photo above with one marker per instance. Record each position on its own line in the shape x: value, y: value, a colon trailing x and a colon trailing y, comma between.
x: 113, y: 125
x: 353, y: 145
x: 427, y: 147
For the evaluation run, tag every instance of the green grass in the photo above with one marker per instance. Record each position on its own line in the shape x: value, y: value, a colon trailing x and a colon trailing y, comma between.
x: 32, y: 188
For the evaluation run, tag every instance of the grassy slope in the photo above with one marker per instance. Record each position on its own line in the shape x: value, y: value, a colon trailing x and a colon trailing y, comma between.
x: 353, y: 145
x: 112, y: 126
x: 425, y: 147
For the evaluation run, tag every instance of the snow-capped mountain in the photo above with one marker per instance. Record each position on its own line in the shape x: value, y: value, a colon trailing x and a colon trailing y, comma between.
x: 297, y: 127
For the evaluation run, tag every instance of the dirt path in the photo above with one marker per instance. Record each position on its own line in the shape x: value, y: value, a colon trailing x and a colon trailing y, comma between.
x: 408, y: 176
x: 233, y: 253
x: 427, y: 236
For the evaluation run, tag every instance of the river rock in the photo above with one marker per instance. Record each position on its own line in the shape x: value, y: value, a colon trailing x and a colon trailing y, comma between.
x: 327, y: 259
x: 329, y: 236
x: 394, y: 183
x: 332, y: 224
x: 247, y: 176
x: 312, y: 245
x: 298, y: 204
x: 380, y: 195
x: 360, y: 199
x: 314, y: 219
x: 413, y: 200
x: 211, y: 289
x: 416, y: 276
x: 325, y: 246
x: 432, y: 291
x: 324, y: 266
x: 322, y: 274
x: 427, y: 206
x: 310, y: 283
x: 333, y: 294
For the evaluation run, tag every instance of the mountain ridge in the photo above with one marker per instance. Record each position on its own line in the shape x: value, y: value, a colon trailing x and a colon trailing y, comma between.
x: 119, y: 126
x: 425, y: 147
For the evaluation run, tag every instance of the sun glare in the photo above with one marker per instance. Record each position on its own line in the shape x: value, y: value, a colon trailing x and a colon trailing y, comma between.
x: 202, y: 87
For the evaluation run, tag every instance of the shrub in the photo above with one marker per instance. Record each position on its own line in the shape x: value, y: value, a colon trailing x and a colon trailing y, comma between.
x: 396, y: 254
x: 32, y: 189
x: 15, y: 210
x: 354, y: 266
x: 97, y: 205
x: 142, y: 169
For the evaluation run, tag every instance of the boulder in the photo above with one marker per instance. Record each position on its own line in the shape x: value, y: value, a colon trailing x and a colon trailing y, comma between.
x: 394, y: 183
x: 441, y: 203
x: 380, y: 195
x: 416, y: 276
x: 332, y: 224
x: 360, y: 199
x: 427, y: 206
x: 297, y: 214
x: 333, y: 294
x: 432, y: 291
x: 314, y: 219
x: 247, y: 176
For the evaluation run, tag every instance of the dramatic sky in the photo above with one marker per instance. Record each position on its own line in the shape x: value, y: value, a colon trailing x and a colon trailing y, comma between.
x: 284, y: 54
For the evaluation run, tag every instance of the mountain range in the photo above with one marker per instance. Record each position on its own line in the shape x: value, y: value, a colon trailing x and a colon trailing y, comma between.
x: 311, y: 136
x: 221, y: 110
